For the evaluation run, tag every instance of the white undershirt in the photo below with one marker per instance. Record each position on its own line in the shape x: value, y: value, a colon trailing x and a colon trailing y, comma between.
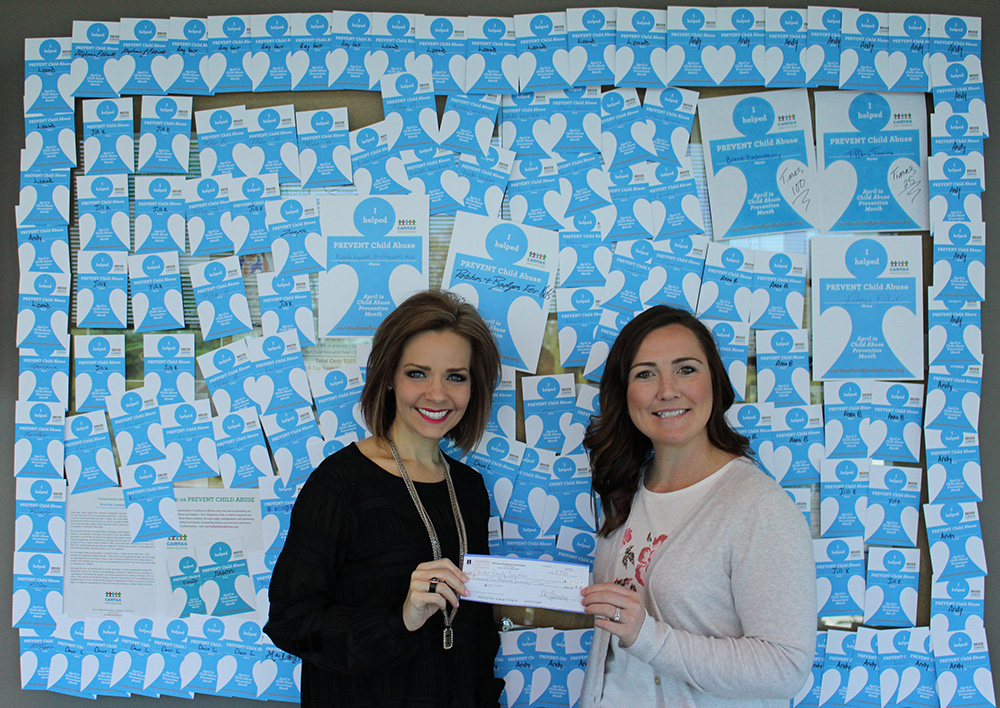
x: 654, y: 516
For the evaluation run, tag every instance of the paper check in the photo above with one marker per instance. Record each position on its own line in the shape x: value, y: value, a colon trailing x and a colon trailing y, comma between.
x: 525, y: 582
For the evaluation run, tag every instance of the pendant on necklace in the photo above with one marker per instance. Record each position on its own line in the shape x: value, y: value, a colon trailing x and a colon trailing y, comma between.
x: 448, y: 638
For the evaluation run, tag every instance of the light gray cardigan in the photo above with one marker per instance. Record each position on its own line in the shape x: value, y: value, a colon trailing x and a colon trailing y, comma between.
x: 733, y: 621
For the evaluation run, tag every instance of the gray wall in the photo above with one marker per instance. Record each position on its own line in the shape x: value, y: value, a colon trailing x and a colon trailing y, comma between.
x: 54, y: 18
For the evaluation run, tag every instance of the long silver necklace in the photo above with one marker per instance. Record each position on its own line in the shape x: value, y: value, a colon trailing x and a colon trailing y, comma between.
x: 448, y: 636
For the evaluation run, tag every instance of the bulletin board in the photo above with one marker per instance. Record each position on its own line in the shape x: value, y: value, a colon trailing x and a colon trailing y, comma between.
x: 754, y: 221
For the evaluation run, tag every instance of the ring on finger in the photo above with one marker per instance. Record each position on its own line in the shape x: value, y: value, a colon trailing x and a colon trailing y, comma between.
x: 433, y: 587
x: 618, y: 615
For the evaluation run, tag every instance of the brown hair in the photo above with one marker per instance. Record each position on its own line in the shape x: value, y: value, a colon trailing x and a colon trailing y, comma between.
x: 431, y: 311
x: 617, y: 449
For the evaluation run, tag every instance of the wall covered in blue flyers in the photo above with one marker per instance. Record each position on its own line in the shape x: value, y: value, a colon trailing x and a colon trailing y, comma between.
x: 200, y: 279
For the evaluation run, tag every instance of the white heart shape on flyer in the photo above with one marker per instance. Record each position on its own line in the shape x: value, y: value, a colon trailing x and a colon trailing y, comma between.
x: 895, y: 66
x: 375, y: 64
x: 336, y: 62
x: 815, y: 56
x: 508, y: 67
x: 456, y: 69
x: 289, y: 153
x: 839, y: 183
x: 526, y: 66
x: 249, y: 160
x: 774, y: 58
x: 526, y: 324
x: 404, y: 281
x: 297, y: 64
x: 731, y: 182
x: 719, y: 63
x: 533, y: 429
x: 214, y: 70
x: 341, y: 290
x: 567, y: 344
x: 848, y: 65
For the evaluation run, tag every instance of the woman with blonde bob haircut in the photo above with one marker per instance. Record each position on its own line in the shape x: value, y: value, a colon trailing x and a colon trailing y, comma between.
x: 705, y: 586
x: 368, y: 585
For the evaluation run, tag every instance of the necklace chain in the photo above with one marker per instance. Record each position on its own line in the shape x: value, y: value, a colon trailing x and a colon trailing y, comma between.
x: 450, y: 612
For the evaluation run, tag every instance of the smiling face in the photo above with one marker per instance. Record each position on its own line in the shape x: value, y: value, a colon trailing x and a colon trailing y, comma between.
x: 670, y: 390
x: 432, y: 385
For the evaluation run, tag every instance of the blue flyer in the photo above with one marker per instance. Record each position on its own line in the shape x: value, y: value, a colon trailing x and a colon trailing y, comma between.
x: 632, y: 279
x: 675, y: 204
x: 691, y: 46
x: 733, y: 341
x: 208, y: 208
x: 160, y: 209
x: 242, y: 451
x: 867, y: 307
x: 525, y: 125
x: 294, y: 228
x: 864, y: 687
x: 741, y: 45
x: 44, y: 197
x: 753, y: 420
x: 508, y: 272
x: 219, y: 131
x: 893, y: 506
x: 590, y: 36
x: 271, y: 145
x: 168, y: 366
x: 840, y: 577
x: 188, y: 440
x: 218, y: 287
x: 102, y: 289
x: 605, y: 333
x: 185, y: 587
x: 843, y: 495
x: 498, y: 460
x: 165, y: 134
x: 953, y: 401
x: 570, y: 503
x: 135, y: 419
x: 351, y: 40
x: 376, y: 170
x: 155, y: 281
x: 133, y: 641
x: 798, y: 444
x: 847, y: 410
x: 542, y: 54
x: 230, y: 53
x: 954, y: 471
x: 225, y: 579
x: 641, y: 49
x: 170, y: 646
x: 324, y: 148
x: 626, y: 131
x: 909, y: 45
x: 46, y: 62
x: 954, y: 37
x: 864, y: 49
x: 394, y: 46
x: 102, y: 204
x: 188, y: 63
x: 38, y: 448
x: 443, y: 39
x: 964, y: 676
x: 225, y: 369
x: 548, y: 409
x: 94, y: 68
x: 783, y: 366
x: 289, y: 433
x: 672, y: 112
x: 43, y: 378
x: 149, y: 501
x: 760, y: 162
x: 375, y: 259
x: 959, y: 262
x: 955, y: 539
x: 584, y: 259
x: 100, y: 641
x: 49, y: 142
x: 243, y: 650
x: 502, y: 417
x: 429, y: 169
x: 272, y: 48
x: 727, y: 284
x: 286, y: 305
x: 576, y: 546
x: 245, y: 224
x: 779, y: 290
x: 823, y: 50
x: 276, y: 502
x: 40, y: 516
x: 872, y: 157
x: 37, y: 600
x: 43, y: 249
x: 467, y: 123
x: 411, y: 118
x: 99, y: 364
x: 529, y: 506
x: 587, y: 406
x: 491, y: 60
x: 897, y: 413
x: 278, y: 376
x: 337, y: 395
x: 534, y: 195
x: 957, y: 604
x: 43, y: 312
x: 786, y: 41
x: 108, y: 137
x: 312, y: 42
x: 578, y: 310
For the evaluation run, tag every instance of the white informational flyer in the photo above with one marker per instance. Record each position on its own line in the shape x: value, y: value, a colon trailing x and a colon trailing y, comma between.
x: 872, y: 156
x: 508, y: 271
x: 760, y: 162
x: 867, y: 308
x: 525, y: 582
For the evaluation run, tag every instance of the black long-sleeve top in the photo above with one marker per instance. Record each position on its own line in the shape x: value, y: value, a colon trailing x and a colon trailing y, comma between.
x: 338, y: 588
